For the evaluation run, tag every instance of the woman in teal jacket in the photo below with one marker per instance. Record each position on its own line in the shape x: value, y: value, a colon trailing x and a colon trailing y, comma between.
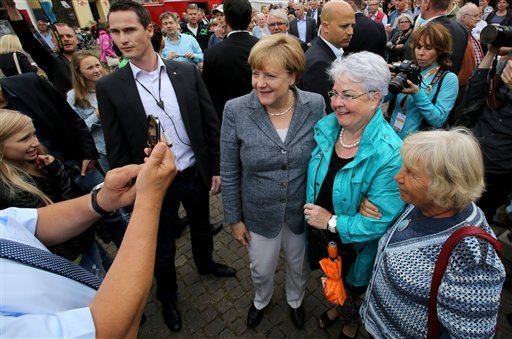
x: 357, y: 156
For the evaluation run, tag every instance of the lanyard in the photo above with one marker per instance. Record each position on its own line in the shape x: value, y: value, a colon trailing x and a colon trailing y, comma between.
x: 158, y: 101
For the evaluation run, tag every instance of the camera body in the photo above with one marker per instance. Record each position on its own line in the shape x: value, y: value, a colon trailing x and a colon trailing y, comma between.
x: 497, y: 35
x: 404, y: 71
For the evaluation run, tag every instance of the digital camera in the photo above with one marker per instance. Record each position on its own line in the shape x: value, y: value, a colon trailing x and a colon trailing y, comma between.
x: 404, y: 71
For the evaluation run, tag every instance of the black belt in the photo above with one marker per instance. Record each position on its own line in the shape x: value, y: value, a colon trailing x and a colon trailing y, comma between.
x: 189, y: 172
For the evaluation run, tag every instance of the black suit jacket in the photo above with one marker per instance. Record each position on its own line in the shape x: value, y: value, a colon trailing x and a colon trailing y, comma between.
x: 124, y: 119
x: 310, y: 14
x: 311, y: 29
x: 459, y: 42
x: 315, y: 79
x: 55, y: 66
x: 58, y: 126
x: 368, y: 36
x: 226, y: 72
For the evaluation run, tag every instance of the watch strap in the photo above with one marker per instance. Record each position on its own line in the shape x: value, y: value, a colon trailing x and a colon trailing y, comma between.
x: 94, y: 202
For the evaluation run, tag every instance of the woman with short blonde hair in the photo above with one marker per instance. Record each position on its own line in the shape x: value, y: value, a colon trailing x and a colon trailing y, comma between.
x: 441, y: 177
x: 266, y: 141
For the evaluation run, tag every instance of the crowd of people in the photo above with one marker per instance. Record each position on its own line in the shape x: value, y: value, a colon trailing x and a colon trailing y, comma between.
x: 384, y: 126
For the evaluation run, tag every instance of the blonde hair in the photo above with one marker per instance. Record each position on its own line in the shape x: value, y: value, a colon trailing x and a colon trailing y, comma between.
x: 78, y: 80
x: 10, y: 43
x: 14, y: 179
x: 453, y: 162
x: 283, y: 49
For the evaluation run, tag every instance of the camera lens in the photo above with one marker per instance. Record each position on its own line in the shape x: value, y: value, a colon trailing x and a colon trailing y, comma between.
x: 398, y: 83
x: 498, y: 36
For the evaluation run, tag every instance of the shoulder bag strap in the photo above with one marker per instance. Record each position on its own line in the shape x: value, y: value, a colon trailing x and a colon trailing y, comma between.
x: 16, y: 62
x: 442, y: 263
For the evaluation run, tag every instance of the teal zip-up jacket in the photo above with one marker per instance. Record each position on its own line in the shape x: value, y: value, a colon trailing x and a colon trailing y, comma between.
x: 370, y: 174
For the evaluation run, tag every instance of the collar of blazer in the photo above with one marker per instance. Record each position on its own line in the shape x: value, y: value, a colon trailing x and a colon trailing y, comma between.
x: 262, y: 119
x: 132, y: 97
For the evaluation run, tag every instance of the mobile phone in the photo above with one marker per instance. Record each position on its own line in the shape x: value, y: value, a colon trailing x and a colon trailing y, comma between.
x: 154, y: 131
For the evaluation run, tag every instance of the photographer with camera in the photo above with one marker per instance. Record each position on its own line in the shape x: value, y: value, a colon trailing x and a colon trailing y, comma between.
x: 424, y: 90
x: 488, y: 111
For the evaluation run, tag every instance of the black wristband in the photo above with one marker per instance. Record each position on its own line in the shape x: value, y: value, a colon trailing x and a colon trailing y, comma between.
x: 94, y: 201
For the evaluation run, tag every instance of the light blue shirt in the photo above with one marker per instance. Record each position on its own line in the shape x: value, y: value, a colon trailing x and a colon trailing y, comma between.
x: 48, y: 39
x: 301, y: 27
x: 88, y: 114
x: 36, y: 303
x: 186, y: 43
x: 259, y: 33
x: 173, y: 127
x: 419, y: 107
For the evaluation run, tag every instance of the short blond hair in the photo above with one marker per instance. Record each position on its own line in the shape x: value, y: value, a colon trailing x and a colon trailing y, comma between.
x: 283, y: 49
x: 10, y: 43
x: 453, y: 163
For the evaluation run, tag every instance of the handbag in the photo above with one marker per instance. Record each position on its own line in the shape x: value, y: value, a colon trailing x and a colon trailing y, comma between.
x: 433, y: 327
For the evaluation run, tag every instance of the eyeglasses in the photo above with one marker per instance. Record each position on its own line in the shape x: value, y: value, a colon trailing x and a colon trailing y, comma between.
x: 474, y: 15
x: 275, y: 24
x: 344, y: 96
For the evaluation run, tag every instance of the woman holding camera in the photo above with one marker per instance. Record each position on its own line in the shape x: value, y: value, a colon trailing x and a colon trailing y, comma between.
x: 427, y: 100
x: 356, y: 156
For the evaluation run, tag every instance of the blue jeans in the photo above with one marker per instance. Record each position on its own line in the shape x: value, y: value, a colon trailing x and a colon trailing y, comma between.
x: 96, y: 260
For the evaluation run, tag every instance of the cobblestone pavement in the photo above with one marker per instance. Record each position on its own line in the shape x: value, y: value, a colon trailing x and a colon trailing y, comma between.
x: 217, y: 307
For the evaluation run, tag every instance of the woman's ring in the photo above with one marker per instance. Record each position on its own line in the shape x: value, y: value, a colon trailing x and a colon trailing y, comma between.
x: 307, y: 217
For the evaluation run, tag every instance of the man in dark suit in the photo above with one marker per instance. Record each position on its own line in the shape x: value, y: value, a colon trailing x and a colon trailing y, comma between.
x: 303, y: 27
x: 369, y: 35
x: 435, y: 11
x: 173, y: 92
x: 314, y: 12
x: 226, y: 72
x: 337, y: 28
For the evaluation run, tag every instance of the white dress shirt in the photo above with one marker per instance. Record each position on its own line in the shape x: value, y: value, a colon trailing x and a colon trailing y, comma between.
x: 173, y: 127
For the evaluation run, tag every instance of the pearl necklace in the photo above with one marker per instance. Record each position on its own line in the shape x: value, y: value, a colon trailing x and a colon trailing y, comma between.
x: 355, y: 144
x: 284, y: 112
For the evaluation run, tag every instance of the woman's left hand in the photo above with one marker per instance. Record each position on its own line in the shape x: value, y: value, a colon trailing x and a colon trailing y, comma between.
x: 44, y: 160
x: 317, y: 216
x: 411, y: 88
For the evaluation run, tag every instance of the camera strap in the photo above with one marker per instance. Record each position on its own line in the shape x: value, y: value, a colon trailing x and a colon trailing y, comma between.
x: 437, y: 78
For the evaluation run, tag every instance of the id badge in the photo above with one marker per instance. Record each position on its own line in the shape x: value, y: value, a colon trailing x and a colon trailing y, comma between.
x: 399, y: 122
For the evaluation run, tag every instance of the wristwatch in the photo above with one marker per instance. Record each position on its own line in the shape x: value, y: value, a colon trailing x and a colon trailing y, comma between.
x: 331, y: 225
x: 94, y: 201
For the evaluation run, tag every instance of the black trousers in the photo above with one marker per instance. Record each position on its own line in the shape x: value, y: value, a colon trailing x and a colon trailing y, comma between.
x: 188, y: 189
x: 497, y: 189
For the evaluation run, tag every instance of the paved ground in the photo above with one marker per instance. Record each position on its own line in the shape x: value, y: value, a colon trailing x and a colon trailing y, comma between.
x: 213, y: 307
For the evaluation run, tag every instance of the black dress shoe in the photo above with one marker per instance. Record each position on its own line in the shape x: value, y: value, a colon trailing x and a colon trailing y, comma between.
x: 172, y: 316
x: 254, y: 316
x: 219, y: 270
x: 297, y: 315
x: 215, y: 228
